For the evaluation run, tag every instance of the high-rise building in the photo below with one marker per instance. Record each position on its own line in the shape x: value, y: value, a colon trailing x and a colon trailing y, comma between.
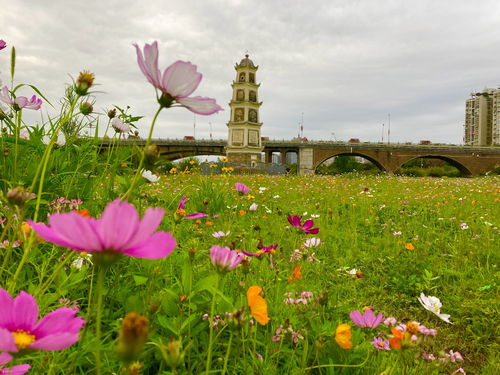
x: 482, y: 118
x: 244, y: 142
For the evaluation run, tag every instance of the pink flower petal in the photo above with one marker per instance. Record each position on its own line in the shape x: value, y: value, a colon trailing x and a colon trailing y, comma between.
x: 149, y: 63
x: 18, y: 369
x: 200, y: 105
x: 180, y: 79
x: 50, y: 235
x: 157, y: 246
x: 24, y: 311
x: 196, y: 215
x: 21, y: 101
x: 118, y: 225
x: 5, y: 308
x: 58, y: 341
x: 148, y: 224
x: 61, y: 320
x: 7, y: 341
x: 76, y: 230
x: 357, y: 318
x: 182, y: 203
x: 4, y: 358
x: 307, y: 224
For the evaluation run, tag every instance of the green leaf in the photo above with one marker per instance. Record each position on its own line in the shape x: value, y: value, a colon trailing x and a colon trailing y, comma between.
x: 140, y: 280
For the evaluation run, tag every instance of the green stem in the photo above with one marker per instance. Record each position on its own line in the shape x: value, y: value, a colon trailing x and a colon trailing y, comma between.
x: 226, y: 358
x: 16, y: 142
x: 141, y: 162
x: 54, y: 274
x: 211, y: 337
x: 100, y: 285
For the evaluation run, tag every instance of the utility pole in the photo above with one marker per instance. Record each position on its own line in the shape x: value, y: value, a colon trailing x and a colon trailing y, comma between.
x: 194, y: 126
x: 389, y: 129
x: 210, y: 124
x: 383, y: 125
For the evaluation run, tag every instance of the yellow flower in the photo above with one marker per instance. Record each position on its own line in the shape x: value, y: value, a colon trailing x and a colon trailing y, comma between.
x: 343, y: 336
x: 173, y: 171
x: 258, y: 305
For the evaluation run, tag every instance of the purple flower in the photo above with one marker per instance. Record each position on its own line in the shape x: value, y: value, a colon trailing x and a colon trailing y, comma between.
x: 2, y: 44
x: 225, y: 259
x: 21, y: 101
x: 391, y: 321
x: 241, y: 188
x: 6, y: 357
x: 181, y: 212
x: 177, y: 82
x: 262, y: 250
x: 19, y: 328
x: 380, y: 344
x: 307, y: 227
x: 117, y: 232
x: 367, y: 320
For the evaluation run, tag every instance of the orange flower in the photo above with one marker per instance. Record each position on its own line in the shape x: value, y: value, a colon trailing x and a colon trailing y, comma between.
x: 258, y: 305
x: 395, y: 341
x: 209, y: 223
x: 242, y: 212
x: 409, y: 246
x: 84, y: 213
x: 343, y: 336
x: 295, y: 276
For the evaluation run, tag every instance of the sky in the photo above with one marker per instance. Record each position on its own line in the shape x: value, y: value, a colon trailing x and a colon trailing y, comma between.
x: 341, y: 66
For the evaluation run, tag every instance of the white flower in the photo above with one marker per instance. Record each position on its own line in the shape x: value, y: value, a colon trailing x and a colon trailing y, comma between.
x: 464, y: 226
x: 148, y: 175
x: 61, y: 139
x: 276, y: 196
x: 24, y: 134
x: 119, y: 126
x: 81, y: 260
x: 433, y: 304
x: 312, y: 242
x: 253, y: 207
x: 220, y: 234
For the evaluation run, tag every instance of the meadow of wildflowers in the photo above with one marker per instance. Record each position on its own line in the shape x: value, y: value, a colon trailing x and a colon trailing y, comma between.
x: 113, y: 264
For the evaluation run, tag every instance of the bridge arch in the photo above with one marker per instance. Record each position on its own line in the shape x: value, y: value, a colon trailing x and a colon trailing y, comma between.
x: 464, y: 171
x: 377, y: 163
x: 178, y: 154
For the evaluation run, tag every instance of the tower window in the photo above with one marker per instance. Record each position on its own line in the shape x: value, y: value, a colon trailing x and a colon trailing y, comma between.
x: 253, y: 96
x: 240, y: 95
x: 252, y: 78
x: 242, y: 77
x: 252, y: 115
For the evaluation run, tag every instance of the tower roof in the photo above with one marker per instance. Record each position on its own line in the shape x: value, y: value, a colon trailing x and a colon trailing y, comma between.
x: 246, y: 62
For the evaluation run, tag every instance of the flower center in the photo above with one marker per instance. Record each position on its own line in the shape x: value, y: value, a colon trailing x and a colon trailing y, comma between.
x: 181, y: 212
x: 23, y: 339
x: 381, y: 344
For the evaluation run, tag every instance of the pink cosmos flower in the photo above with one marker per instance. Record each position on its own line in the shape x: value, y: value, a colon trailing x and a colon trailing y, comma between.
x: 380, y: 343
x: 21, y: 101
x: 117, y: 232
x: 14, y: 370
x: 220, y: 234
x: 181, y: 212
x: 306, y: 227
x: 2, y: 44
x: 19, y: 328
x: 177, y: 82
x: 241, y: 188
x: 225, y: 259
x: 460, y: 371
x: 367, y: 320
x: 263, y: 250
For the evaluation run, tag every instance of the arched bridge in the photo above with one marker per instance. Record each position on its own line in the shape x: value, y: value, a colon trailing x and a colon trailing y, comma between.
x: 388, y: 157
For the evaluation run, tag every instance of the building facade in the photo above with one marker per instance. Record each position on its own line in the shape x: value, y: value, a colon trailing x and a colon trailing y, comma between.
x: 244, y: 142
x: 482, y: 118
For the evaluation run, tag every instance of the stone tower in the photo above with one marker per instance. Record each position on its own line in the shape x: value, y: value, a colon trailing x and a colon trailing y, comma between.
x: 244, y: 143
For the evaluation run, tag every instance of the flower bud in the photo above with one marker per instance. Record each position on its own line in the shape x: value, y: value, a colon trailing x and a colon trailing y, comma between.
x: 112, y: 113
x: 86, y: 108
x: 6, y: 151
x: 172, y: 353
x: 19, y: 195
x: 133, y: 335
x: 323, y: 298
x: 84, y: 81
x: 134, y: 368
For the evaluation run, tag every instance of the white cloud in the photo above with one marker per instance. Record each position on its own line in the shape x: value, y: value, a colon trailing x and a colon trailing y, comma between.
x: 344, y: 64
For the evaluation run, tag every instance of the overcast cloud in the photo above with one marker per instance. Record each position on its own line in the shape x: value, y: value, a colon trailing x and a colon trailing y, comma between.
x: 344, y: 64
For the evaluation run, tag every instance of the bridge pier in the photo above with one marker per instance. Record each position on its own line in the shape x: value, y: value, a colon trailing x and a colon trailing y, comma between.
x: 306, y: 161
